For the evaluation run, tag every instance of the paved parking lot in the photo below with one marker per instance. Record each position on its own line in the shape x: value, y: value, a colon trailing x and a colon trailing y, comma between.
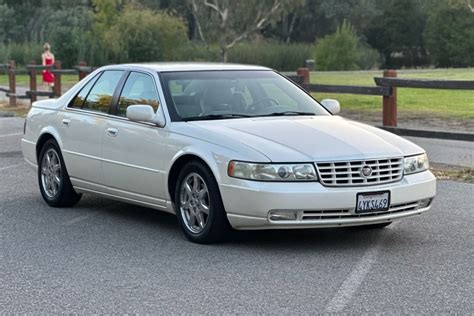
x: 105, y: 256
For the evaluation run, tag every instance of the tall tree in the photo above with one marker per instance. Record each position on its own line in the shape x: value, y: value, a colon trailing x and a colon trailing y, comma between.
x: 230, y: 22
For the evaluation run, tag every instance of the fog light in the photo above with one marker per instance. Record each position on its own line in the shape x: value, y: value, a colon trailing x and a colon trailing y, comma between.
x: 424, y: 203
x: 283, y: 215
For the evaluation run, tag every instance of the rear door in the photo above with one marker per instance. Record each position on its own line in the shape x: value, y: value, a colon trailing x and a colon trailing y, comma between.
x: 84, y: 123
x: 133, y: 151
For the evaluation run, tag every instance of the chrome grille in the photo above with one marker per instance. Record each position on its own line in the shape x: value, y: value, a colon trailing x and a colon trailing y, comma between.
x: 349, y: 173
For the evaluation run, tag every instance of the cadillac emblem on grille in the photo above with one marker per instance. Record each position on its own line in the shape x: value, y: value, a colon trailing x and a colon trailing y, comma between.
x: 366, y: 171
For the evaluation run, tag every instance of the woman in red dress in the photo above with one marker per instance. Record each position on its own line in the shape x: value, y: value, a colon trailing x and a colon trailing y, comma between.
x: 48, y: 59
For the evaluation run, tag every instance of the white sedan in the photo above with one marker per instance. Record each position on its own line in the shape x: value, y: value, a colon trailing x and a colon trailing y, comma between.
x: 221, y: 146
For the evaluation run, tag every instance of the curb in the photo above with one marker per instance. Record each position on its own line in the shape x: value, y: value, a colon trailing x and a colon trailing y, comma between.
x: 429, y: 134
x: 7, y: 114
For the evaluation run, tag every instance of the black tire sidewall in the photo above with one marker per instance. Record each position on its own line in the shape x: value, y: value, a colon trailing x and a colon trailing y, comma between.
x: 217, y: 221
x: 66, y: 195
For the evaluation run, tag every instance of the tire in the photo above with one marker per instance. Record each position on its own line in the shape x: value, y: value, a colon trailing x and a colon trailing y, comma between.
x: 375, y: 226
x: 196, y: 192
x: 53, y: 179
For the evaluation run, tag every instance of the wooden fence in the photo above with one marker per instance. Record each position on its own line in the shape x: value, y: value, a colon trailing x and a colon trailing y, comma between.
x: 386, y: 86
x: 32, y: 70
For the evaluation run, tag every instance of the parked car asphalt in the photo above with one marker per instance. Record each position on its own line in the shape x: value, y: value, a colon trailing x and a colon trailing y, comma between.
x: 104, y: 256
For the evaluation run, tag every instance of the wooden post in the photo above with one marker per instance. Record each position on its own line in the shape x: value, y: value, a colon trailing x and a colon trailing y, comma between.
x: 82, y: 74
x: 390, y: 103
x: 12, y: 82
x: 57, y: 79
x: 303, y: 72
x: 33, y: 85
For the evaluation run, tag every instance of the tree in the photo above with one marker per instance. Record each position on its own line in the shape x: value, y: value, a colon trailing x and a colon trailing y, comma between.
x: 398, y: 32
x: 449, y: 36
x: 230, y: 22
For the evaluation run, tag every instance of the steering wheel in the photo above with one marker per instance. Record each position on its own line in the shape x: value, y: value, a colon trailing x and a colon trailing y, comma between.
x: 259, y: 104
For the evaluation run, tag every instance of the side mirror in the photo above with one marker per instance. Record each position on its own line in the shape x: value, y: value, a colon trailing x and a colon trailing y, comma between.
x: 331, y: 105
x: 145, y: 113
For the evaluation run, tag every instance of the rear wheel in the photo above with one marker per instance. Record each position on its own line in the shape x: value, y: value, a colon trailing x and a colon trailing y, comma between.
x: 54, y: 183
x: 199, y: 206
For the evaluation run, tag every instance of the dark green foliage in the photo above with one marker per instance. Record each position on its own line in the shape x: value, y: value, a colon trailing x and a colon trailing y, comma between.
x: 344, y: 51
x: 406, y: 33
x: 283, y: 57
x: 398, y: 33
x: 450, y: 37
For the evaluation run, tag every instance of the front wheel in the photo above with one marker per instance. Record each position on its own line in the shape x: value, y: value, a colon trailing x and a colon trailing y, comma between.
x: 54, y: 183
x: 199, y: 206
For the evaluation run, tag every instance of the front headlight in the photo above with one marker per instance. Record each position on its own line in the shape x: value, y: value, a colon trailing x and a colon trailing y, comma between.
x: 272, y: 172
x: 416, y: 164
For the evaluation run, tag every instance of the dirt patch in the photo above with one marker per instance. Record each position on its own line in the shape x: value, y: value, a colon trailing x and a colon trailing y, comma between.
x: 21, y: 109
x: 450, y: 172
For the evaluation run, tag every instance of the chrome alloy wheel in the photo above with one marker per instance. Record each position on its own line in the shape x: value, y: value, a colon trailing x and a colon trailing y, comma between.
x: 194, y: 203
x: 51, y: 173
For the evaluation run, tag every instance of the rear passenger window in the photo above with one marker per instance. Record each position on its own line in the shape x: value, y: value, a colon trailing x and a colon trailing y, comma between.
x: 78, y: 101
x: 100, y: 96
x: 140, y: 88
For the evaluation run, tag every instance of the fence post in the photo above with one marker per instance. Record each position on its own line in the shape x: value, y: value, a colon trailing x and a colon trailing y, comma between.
x: 303, y: 72
x: 33, y: 85
x: 390, y: 103
x: 57, y: 79
x: 12, y: 82
x: 82, y: 74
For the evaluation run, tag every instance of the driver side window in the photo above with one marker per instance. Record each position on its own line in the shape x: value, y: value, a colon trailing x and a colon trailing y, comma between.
x: 140, y: 88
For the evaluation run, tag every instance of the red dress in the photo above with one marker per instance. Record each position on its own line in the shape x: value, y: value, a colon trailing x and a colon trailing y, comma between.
x: 48, y: 77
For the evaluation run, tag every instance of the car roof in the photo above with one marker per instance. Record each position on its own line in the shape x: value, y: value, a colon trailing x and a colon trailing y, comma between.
x: 188, y: 66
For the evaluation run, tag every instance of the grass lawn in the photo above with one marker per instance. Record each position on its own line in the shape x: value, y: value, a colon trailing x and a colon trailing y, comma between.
x: 23, y: 80
x: 458, y: 104
x: 452, y: 104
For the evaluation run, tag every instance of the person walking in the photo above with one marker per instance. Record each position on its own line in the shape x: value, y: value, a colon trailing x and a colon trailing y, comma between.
x: 48, y: 60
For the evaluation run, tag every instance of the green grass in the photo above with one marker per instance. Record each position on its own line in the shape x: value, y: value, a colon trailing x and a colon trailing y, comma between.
x: 456, y: 104
x: 24, y: 80
x: 434, y: 103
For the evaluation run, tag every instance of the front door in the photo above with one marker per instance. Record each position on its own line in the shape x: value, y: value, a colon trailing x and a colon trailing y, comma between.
x: 132, y: 151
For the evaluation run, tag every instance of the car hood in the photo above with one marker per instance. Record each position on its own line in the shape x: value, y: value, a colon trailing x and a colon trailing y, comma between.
x: 310, y: 138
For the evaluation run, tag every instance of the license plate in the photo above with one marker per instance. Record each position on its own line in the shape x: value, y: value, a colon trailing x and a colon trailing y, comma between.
x: 372, y: 202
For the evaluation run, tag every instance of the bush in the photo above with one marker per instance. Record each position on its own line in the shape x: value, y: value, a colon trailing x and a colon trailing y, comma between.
x: 144, y: 35
x: 21, y: 53
x: 344, y: 51
x: 280, y: 56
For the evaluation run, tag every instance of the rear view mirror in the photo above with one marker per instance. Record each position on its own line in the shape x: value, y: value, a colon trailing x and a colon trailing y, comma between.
x: 145, y: 113
x: 331, y: 105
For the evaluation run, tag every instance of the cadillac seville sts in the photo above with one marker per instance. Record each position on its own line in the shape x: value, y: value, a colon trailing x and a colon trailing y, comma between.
x: 223, y: 147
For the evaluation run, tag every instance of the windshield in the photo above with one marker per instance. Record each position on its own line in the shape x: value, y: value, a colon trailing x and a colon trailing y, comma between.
x: 204, y: 95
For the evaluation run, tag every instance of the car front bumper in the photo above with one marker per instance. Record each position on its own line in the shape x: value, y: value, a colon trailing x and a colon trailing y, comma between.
x: 249, y: 204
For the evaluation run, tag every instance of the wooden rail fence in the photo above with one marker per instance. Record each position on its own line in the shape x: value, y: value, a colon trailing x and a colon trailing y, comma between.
x: 385, y: 86
x: 32, y: 70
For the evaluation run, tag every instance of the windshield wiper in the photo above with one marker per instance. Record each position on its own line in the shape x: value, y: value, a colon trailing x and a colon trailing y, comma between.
x: 287, y: 113
x: 215, y: 117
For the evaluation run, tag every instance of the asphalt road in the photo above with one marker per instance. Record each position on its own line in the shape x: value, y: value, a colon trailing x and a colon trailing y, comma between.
x: 104, y: 257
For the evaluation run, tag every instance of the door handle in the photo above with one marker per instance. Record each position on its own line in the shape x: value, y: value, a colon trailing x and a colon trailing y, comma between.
x: 66, y: 122
x: 112, y: 131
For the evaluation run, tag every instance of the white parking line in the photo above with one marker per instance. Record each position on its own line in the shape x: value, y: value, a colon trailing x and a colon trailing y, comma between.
x: 8, y: 135
x: 12, y: 166
x: 78, y: 219
x: 350, y: 285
